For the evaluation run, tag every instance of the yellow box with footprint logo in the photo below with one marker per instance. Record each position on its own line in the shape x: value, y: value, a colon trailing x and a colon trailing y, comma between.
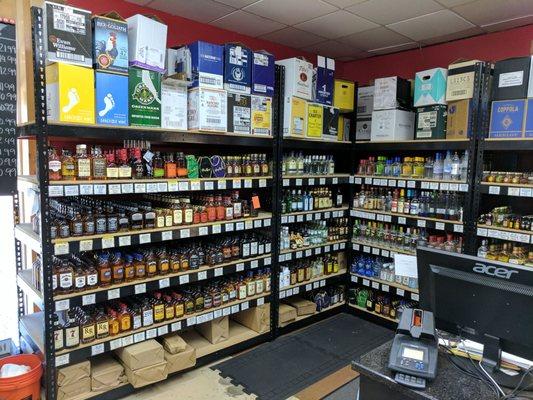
x: 70, y: 94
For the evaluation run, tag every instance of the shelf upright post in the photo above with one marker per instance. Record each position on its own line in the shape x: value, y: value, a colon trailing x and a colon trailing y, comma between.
x: 41, y: 123
x: 277, y: 159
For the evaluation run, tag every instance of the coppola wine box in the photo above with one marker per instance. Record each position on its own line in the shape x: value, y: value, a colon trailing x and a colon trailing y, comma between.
x: 507, y: 119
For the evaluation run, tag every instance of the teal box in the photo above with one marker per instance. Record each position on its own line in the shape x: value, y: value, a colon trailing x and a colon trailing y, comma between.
x: 111, y: 99
x: 507, y: 119
x: 430, y: 87
x: 528, y: 130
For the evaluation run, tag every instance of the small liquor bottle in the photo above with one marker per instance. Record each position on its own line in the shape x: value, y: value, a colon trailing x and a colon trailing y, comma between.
x: 59, y: 339
x: 83, y: 162
x: 111, y: 167
x: 99, y: 164
x: 54, y: 166
x: 72, y: 331
x: 68, y: 166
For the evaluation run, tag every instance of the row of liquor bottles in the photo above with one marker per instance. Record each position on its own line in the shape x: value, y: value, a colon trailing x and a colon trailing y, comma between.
x: 88, y: 215
x: 303, y: 271
x: 441, y: 204
x: 450, y: 167
x: 507, y: 252
x: 296, y: 163
x: 137, y: 163
x: 83, y: 325
x: 522, y: 178
x: 315, y: 199
x: 379, y: 303
x: 91, y: 270
x: 398, y: 238
x: 380, y: 268
x: 326, y: 297
x: 313, y: 233
x: 504, y: 217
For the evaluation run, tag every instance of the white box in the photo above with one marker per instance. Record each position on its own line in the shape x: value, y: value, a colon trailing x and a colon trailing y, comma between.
x: 147, y: 39
x: 392, y: 125
x: 365, y: 101
x: 207, y: 110
x: 391, y: 92
x: 430, y: 87
x: 173, y: 105
x: 298, y: 78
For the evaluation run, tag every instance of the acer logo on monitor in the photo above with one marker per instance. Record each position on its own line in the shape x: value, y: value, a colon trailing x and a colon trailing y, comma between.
x: 491, y: 270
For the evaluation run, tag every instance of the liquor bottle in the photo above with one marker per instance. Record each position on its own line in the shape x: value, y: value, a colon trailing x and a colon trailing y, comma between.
x: 54, y: 165
x: 72, y: 331
x: 66, y: 277
x: 170, y: 167
x: 99, y: 163
x: 68, y: 165
x: 88, y: 329
x: 112, y: 171
x: 136, y: 164
x: 447, y: 166
x: 455, y: 167
x: 102, y: 324
x: 59, y: 338
x: 124, y: 167
x: 83, y: 162
x: 114, y: 325
x: 438, y: 166
x: 124, y: 318
x: 181, y: 165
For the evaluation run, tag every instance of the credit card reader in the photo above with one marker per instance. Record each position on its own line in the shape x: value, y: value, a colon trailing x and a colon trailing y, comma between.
x: 415, y: 349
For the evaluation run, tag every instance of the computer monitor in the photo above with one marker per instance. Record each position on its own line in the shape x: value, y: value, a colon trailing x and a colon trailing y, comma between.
x: 486, y: 301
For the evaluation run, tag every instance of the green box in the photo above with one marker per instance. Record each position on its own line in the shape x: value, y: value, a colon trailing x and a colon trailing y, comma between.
x: 145, y: 97
x: 431, y: 122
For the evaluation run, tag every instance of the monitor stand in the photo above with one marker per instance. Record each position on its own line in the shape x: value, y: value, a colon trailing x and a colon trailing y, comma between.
x: 492, y: 357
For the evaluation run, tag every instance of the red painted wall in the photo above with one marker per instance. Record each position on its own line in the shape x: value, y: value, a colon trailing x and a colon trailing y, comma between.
x: 490, y: 47
x: 183, y: 30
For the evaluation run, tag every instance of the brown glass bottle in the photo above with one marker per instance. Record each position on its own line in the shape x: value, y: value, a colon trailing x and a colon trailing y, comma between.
x: 72, y: 331
x: 88, y: 329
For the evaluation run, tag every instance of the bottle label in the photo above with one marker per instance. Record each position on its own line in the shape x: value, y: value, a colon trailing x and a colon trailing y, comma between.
x: 54, y: 165
x: 229, y: 212
x: 189, y: 215
x: 80, y: 282
x: 137, y: 322
x: 251, y: 288
x: 112, y: 224
x: 88, y: 332
x: 65, y: 281
x: 84, y: 168
x: 178, y: 217
x: 112, y: 172
x: 58, y: 339
x: 99, y: 169
x: 72, y: 336
x: 148, y: 317
x: 242, y: 292
x: 124, y: 171
x: 101, y: 225
x: 125, y: 323
x: 102, y: 329
x: 92, y: 279
x: 89, y: 227
x: 237, y: 209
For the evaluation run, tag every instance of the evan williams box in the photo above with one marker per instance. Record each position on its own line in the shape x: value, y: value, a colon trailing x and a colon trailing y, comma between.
x: 507, y: 119
x: 237, y: 68
x: 110, y: 34
x: 68, y: 34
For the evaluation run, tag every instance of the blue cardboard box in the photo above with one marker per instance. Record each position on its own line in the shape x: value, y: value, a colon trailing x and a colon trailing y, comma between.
x: 507, y: 119
x: 111, y: 99
x: 528, y: 130
x: 110, y: 44
x: 203, y: 62
x: 237, y: 68
x: 263, y: 74
x: 324, y: 80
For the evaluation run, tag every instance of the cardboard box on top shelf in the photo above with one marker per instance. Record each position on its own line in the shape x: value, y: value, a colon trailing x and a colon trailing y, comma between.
x: 73, y: 373
x: 147, y: 37
x: 431, y: 122
x: 286, y: 314
x: 294, y: 116
x: 110, y: 43
x: 392, y: 92
x: 173, y: 343
x: 202, y: 63
x: 458, y: 119
x: 430, y: 87
x: 261, y: 115
x: 141, y: 355
x: 182, y: 360
x: 263, y: 73
x: 330, y: 124
x: 237, y: 68
x: 207, y: 110
x: 343, y: 95
x: 255, y: 318
x: 70, y: 93
x: 147, y: 375
x: 298, y: 77
x: 79, y: 388
x: 507, y: 119
x: 107, y: 373
x: 302, y: 306
x: 323, y: 81
x: 144, y: 97
x: 528, y: 129
x: 460, y: 80
x: 315, y: 120
x: 344, y: 128
x: 215, y: 331
x: 363, y: 128
x: 511, y: 78
x: 173, y: 104
x: 392, y: 125
x: 239, y: 113
x: 111, y: 97
x: 365, y: 102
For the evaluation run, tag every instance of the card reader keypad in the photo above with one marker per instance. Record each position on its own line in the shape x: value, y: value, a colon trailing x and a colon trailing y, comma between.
x: 414, y: 382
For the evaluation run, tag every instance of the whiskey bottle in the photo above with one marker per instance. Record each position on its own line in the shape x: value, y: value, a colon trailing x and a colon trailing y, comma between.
x: 83, y: 162
x: 59, y: 340
x: 72, y: 331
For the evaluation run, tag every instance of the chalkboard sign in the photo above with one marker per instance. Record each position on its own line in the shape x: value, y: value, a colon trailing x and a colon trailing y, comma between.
x: 8, y: 106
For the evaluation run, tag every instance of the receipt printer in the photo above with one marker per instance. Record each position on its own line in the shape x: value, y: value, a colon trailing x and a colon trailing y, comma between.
x: 414, y: 350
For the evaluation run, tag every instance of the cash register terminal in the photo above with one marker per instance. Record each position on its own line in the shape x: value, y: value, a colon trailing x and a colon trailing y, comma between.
x: 415, y: 349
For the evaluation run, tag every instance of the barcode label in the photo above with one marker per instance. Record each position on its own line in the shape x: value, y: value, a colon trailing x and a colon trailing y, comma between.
x: 69, y: 56
x: 213, y: 120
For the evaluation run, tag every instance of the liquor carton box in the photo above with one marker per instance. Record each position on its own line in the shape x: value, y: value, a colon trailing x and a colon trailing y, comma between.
x: 145, y: 97
x: 294, y: 116
x: 511, y: 78
x: 263, y: 73
x: 261, y: 115
x: 303, y: 307
x: 431, y: 122
x: 392, y: 125
x: 173, y: 343
x: 173, y: 105
x: 343, y: 95
x: 255, y: 318
x: 507, y: 119
x: 459, y: 115
x: 315, y: 120
x: 215, y: 331
x: 68, y: 34
x: 202, y: 63
x: 363, y: 127
x: 111, y: 99
x: 323, y: 80
x: 460, y: 81
x: 70, y: 93
x: 207, y: 110
x: 110, y: 44
x: 239, y: 112
x: 237, y: 68
x: 182, y: 360
x: 298, y: 78
x: 430, y: 87
x: 365, y: 101
x: 392, y: 92
x: 72, y: 373
x: 147, y: 43
x: 141, y: 355
x: 344, y: 128
x: 286, y: 314
x: 80, y: 388
x: 106, y: 374
x: 147, y: 375
x: 330, y: 125
x: 528, y: 129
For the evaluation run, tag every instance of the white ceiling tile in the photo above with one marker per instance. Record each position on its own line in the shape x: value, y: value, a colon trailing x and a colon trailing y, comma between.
x: 510, y: 23
x: 431, y: 25
x: 198, y: 10
x: 453, y: 3
x: 337, y: 24
x: 454, y: 36
x: 236, y: 3
x: 394, y: 49
x: 344, y: 3
x: 483, y: 12
x: 290, y: 12
x: 374, y: 38
x: 388, y: 11
x: 247, y: 24
x: 139, y: 2
x: 293, y: 37
x: 332, y: 48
